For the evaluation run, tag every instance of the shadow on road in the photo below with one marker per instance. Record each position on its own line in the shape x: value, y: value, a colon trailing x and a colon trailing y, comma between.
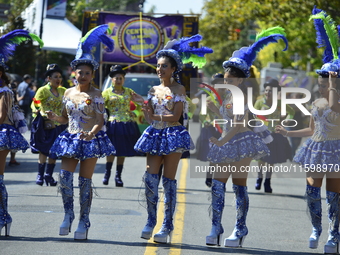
x: 146, y: 244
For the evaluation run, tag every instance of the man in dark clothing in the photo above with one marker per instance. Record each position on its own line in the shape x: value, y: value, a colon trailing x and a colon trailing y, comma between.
x: 24, y: 97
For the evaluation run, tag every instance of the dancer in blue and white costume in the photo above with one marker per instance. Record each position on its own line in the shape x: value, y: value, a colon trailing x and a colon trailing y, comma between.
x: 320, y: 155
x: 238, y: 144
x: 84, y: 140
x: 12, y: 122
x: 166, y: 138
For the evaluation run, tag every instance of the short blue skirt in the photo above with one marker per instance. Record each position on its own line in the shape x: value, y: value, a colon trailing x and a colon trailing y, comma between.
x: 123, y: 136
x: 242, y: 145
x: 11, y: 139
x: 70, y: 146
x: 319, y: 153
x: 164, y: 141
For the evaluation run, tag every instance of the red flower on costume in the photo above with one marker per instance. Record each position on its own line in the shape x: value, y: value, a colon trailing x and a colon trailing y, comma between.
x: 132, y: 106
x: 168, y: 97
x: 88, y: 101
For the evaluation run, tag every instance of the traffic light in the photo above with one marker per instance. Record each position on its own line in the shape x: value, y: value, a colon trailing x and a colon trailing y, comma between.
x: 233, y: 34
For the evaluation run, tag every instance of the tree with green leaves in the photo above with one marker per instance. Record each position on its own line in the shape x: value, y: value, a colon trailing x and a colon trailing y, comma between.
x: 22, y: 63
x: 76, y: 8
x: 25, y: 52
x: 221, y: 16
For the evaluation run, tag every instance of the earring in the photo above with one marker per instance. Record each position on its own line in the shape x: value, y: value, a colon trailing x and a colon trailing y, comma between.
x: 172, y: 78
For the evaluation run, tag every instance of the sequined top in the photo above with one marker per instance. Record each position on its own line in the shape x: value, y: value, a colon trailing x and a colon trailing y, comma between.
x: 326, y: 121
x: 49, y: 101
x: 7, y: 97
x: 82, y: 111
x: 226, y: 111
x: 260, y: 104
x: 118, y: 105
x: 164, y: 105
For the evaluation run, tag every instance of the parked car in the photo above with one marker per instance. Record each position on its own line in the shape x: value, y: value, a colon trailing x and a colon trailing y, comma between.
x: 141, y: 83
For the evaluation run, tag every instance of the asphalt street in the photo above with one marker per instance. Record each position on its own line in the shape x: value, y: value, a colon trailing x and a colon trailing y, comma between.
x: 278, y: 223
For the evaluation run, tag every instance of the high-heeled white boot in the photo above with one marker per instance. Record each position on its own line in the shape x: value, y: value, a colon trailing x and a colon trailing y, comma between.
x: 332, y: 245
x: 151, y: 182
x: 85, y: 198
x: 240, y: 232
x: 315, y: 211
x: 217, y: 206
x: 5, y: 218
x: 170, y: 191
x: 66, y: 190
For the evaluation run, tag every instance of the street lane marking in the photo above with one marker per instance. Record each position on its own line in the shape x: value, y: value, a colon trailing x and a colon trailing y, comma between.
x: 151, y: 248
x: 177, y: 235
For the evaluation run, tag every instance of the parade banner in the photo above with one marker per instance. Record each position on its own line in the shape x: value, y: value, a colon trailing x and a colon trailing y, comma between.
x: 128, y: 36
x: 156, y: 32
x: 126, y: 33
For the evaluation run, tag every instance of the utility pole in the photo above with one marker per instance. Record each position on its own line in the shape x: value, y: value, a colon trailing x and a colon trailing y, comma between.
x: 37, y: 64
x: 141, y: 5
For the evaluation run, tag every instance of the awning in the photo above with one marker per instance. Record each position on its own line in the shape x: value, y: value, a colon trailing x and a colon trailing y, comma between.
x: 60, y: 35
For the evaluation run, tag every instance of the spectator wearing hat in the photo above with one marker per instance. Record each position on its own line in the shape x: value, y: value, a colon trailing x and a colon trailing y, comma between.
x: 121, y: 127
x: 24, y: 96
x: 45, y: 131
x: 280, y: 150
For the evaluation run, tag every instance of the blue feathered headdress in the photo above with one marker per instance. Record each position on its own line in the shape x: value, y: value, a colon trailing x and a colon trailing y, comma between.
x: 9, y: 41
x: 327, y: 36
x: 244, y: 57
x: 92, y: 38
x: 181, y: 51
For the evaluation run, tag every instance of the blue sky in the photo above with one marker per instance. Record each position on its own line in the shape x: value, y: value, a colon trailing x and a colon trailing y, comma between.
x: 172, y: 6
